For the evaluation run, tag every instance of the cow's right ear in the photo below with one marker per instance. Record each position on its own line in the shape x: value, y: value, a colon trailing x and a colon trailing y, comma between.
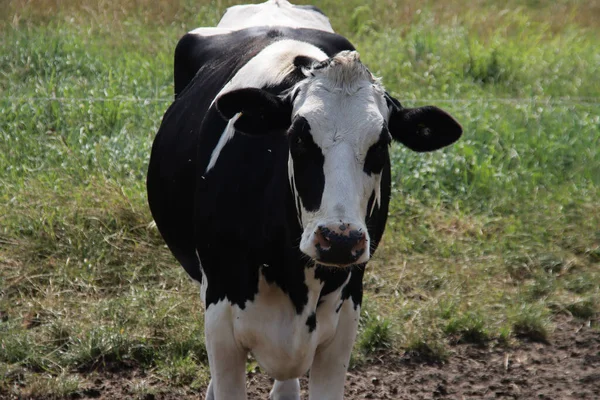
x: 261, y: 112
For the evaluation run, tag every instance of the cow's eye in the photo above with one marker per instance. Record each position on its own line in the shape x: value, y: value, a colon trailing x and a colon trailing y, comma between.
x: 377, y: 156
x: 301, y: 141
x: 380, y: 149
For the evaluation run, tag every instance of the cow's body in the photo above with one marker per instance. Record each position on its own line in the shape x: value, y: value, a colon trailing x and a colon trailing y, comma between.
x: 234, y: 208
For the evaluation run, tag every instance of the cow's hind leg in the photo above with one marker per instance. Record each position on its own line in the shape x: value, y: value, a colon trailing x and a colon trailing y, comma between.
x: 285, y: 390
x: 226, y: 359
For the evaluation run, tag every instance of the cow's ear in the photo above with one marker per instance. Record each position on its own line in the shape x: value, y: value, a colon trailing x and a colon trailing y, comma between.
x: 424, y: 128
x: 261, y: 112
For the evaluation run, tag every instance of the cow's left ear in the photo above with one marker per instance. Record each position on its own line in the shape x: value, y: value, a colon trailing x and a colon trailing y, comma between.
x: 261, y: 112
x: 424, y: 128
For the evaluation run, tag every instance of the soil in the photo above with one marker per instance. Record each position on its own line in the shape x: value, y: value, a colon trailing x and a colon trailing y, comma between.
x: 567, y: 367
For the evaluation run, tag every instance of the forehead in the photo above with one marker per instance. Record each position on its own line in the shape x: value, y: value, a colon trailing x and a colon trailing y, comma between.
x: 353, y: 114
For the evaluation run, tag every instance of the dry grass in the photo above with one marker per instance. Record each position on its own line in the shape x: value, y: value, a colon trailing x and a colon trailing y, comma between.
x: 485, y: 16
x: 486, y: 242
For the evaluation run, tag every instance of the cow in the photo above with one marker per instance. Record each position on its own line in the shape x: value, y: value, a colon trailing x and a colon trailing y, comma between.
x: 269, y: 180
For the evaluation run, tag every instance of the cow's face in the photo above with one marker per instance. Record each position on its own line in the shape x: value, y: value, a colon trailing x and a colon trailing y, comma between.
x: 338, y: 147
x: 339, y: 123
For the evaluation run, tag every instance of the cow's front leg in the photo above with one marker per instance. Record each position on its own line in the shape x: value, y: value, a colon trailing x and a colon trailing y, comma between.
x: 328, y: 371
x: 210, y: 393
x: 227, y: 360
x: 285, y: 390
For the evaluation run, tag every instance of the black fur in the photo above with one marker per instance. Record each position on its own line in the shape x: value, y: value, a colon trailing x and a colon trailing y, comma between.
x: 240, y: 219
x: 377, y: 154
x: 311, y: 322
x: 308, y: 160
x: 240, y: 216
x: 422, y: 129
x: 261, y: 112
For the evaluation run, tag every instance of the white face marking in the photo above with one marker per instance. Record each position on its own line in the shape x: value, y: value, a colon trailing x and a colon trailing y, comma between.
x: 274, y: 13
x: 345, y: 121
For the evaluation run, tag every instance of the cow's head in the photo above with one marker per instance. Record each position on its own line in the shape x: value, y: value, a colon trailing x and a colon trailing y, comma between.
x: 339, y: 122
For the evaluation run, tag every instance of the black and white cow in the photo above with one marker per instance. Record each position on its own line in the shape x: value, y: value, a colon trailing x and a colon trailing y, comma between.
x: 270, y: 181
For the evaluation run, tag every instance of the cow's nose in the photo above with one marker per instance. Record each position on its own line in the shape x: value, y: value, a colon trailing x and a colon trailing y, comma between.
x: 340, y: 244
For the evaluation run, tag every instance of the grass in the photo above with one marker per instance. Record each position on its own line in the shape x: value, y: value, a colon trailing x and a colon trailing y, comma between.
x: 375, y: 333
x: 487, y: 242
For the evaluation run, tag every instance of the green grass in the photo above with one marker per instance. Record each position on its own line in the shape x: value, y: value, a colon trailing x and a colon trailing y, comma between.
x: 375, y: 333
x: 488, y: 241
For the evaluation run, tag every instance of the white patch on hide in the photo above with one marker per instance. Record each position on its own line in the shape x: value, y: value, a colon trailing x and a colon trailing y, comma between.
x: 267, y: 68
x: 273, y: 13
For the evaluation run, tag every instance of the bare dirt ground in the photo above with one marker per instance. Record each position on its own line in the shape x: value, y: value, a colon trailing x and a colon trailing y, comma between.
x: 568, y: 367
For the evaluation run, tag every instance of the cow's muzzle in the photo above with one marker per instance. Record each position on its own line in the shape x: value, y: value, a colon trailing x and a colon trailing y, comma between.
x: 341, y: 244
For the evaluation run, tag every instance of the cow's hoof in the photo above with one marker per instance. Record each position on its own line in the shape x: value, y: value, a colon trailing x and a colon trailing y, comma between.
x: 210, y: 395
x: 295, y: 396
x: 285, y: 390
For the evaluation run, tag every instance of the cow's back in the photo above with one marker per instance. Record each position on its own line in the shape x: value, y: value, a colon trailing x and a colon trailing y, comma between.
x: 275, y: 13
x: 207, y: 43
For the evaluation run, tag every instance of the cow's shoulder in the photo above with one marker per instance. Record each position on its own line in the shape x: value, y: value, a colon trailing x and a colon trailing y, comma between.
x: 226, y: 49
x: 219, y: 51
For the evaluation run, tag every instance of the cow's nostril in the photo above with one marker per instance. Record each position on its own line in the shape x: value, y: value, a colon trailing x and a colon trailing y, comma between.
x: 322, y: 241
x: 359, y: 248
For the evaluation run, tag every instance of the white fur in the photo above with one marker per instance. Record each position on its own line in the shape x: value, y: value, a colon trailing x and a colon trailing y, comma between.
x: 204, y: 282
x: 346, y: 110
x: 205, y: 32
x: 285, y: 390
x: 328, y: 371
x: 226, y: 358
x: 273, y: 13
x: 269, y: 67
x: 377, y: 200
x: 283, y: 346
x: 210, y: 393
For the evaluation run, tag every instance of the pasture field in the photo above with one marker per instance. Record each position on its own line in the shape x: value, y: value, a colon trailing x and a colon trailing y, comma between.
x: 492, y: 248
